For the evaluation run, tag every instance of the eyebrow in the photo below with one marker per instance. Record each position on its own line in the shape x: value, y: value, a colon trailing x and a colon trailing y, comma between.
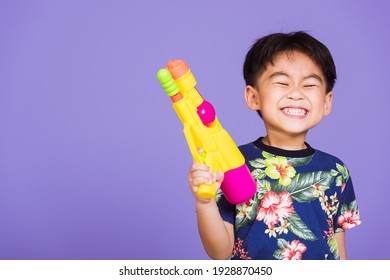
x: 281, y: 73
x: 314, y: 76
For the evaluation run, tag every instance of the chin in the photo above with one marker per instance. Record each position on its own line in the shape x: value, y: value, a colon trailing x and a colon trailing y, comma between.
x: 295, y: 131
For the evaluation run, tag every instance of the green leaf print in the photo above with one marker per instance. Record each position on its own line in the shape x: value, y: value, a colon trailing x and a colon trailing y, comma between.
x: 218, y: 195
x: 339, y: 180
x: 263, y: 186
x: 299, y: 161
x: 246, y: 212
x: 298, y: 227
x: 258, y: 174
x: 333, y: 248
x: 303, y: 185
x: 278, y: 254
x: 257, y: 163
x: 267, y: 155
x: 353, y: 206
x: 343, y: 170
x: 282, y: 243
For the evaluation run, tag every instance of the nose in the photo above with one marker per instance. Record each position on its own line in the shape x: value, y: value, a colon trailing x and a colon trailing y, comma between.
x: 295, y: 94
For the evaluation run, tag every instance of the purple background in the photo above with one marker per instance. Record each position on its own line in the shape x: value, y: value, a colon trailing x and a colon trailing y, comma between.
x: 93, y: 162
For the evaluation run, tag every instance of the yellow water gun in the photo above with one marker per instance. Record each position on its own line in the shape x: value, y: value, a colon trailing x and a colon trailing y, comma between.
x: 209, y: 143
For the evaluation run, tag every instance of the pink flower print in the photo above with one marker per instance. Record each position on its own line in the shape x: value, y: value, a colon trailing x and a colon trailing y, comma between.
x: 283, y: 227
x: 239, y: 251
x: 349, y: 219
x: 343, y: 186
x: 329, y: 233
x: 271, y: 230
x: 274, y: 207
x: 294, y: 250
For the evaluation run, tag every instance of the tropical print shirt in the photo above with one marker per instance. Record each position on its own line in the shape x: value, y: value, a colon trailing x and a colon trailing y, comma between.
x: 303, y: 198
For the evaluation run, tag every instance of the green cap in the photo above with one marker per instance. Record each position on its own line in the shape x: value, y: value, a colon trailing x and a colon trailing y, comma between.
x: 167, y: 82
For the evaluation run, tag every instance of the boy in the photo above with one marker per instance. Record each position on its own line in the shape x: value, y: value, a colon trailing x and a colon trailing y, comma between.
x: 305, y: 198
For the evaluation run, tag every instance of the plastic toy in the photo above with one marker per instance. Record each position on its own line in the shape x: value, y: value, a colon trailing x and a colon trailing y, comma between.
x: 208, y: 142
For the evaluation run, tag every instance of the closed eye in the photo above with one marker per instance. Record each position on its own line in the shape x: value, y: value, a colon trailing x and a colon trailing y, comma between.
x: 310, y: 86
x: 282, y: 84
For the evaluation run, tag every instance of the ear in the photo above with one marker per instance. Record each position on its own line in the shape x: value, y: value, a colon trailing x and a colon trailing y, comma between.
x: 252, y: 98
x: 328, y: 103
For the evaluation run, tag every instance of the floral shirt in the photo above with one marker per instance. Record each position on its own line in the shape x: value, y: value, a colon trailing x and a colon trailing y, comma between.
x: 303, y: 198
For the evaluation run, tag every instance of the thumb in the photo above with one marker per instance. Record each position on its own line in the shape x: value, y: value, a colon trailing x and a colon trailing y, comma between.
x: 218, y: 176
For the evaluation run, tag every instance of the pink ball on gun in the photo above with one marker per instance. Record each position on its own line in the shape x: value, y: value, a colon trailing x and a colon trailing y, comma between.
x: 206, y: 113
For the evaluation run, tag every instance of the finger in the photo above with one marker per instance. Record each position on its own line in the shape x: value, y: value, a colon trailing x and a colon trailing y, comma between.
x: 202, y: 173
x: 203, y: 179
x: 218, y: 176
x: 199, y: 166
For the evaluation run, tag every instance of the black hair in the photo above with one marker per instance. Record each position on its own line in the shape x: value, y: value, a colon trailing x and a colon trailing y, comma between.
x: 264, y: 51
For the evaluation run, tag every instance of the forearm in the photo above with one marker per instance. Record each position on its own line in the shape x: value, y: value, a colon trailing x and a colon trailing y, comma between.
x: 216, y: 237
x: 340, y: 239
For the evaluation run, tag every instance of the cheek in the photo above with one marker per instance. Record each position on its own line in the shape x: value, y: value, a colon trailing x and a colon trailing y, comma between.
x: 317, y: 100
x: 318, y: 109
x: 272, y: 97
x: 269, y: 105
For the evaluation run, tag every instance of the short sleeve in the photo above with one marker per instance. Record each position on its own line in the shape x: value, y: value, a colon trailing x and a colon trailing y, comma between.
x: 348, y: 212
x: 226, y: 210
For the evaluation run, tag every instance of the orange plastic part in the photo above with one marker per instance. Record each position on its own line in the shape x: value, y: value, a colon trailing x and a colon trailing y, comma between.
x: 177, y: 97
x: 177, y: 68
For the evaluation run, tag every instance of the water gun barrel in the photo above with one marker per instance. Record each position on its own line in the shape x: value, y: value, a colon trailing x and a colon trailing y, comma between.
x: 169, y: 85
x: 203, y: 131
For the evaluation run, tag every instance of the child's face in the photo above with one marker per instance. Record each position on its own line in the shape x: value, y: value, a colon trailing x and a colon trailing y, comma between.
x: 291, y: 95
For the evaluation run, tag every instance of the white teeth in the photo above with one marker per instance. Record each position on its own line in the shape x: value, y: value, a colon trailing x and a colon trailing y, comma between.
x: 294, y: 111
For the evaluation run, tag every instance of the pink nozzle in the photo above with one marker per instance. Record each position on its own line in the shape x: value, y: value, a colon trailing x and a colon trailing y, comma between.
x: 238, y: 185
x: 206, y: 113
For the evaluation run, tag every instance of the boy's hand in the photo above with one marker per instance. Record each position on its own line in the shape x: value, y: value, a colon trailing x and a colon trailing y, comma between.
x: 201, y: 174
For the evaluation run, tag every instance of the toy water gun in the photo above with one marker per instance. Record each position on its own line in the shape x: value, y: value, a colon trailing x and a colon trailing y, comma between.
x: 209, y: 143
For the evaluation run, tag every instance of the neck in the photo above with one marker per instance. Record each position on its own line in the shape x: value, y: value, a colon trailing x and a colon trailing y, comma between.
x: 285, y: 142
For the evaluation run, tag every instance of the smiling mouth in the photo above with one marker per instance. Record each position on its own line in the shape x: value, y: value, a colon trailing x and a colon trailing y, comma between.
x: 294, y: 112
